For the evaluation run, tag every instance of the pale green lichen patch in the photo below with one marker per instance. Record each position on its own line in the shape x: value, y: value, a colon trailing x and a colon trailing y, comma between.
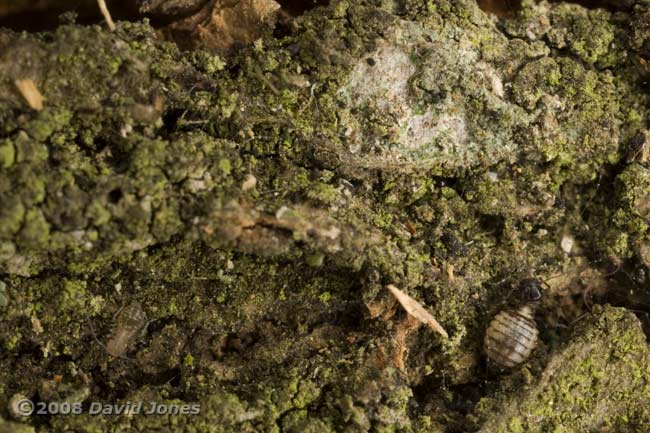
x: 417, y: 108
x: 256, y: 206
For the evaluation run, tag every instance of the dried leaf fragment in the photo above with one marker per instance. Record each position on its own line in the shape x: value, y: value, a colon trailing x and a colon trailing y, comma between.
x: 402, y: 331
x: 30, y: 92
x: 415, y: 309
x: 224, y: 23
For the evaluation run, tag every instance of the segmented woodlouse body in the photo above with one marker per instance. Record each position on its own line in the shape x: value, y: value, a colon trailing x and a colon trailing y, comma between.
x: 511, y: 337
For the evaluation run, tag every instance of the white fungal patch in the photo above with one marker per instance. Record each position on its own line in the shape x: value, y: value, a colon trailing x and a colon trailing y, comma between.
x: 382, y: 76
x: 449, y: 128
x: 384, y: 84
x: 419, y: 102
x: 492, y: 79
x: 249, y: 182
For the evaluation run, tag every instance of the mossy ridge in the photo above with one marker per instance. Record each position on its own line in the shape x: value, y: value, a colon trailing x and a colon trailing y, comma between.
x: 275, y: 63
x: 595, y: 381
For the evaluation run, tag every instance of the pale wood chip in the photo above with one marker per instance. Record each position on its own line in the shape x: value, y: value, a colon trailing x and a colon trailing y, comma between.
x: 30, y: 92
x: 415, y: 309
x: 107, y: 15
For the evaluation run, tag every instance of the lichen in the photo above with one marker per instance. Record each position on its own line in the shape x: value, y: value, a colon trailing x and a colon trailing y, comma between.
x: 256, y: 206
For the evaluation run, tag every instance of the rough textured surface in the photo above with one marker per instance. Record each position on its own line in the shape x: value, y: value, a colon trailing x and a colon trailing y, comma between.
x: 223, y: 25
x: 255, y: 207
x: 603, y: 363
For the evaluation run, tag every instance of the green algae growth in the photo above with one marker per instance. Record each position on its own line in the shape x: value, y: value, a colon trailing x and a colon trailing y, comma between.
x: 256, y: 206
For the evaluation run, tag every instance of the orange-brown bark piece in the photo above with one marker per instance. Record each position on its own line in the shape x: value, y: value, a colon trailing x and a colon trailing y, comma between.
x: 224, y: 23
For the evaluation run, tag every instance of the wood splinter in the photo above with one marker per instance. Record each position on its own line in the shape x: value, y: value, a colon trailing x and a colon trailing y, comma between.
x: 107, y: 15
x: 415, y: 309
x: 30, y: 93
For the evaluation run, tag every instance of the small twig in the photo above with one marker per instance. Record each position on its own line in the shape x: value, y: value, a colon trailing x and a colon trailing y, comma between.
x: 415, y: 309
x: 260, y: 76
x: 106, y: 13
x: 577, y: 319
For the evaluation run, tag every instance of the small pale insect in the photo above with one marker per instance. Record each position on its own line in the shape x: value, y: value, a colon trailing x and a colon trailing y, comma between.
x: 512, y: 335
x: 130, y: 321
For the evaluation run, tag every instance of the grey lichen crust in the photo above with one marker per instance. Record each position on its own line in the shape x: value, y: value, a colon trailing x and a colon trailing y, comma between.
x: 255, y: 207
x: 417, y: 92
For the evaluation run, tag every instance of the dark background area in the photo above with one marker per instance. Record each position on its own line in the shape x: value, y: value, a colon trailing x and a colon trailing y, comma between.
x: 39, y: 15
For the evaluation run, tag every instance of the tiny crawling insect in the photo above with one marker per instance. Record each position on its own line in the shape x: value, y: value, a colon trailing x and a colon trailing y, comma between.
x: 512, y: 336
x: 130, y: 321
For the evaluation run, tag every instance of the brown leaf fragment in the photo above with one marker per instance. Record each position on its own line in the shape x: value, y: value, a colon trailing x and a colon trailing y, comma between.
x: 30, y: 92
x: 415, y: 309
x: 402, y: 331
x: 383, y: 307
x: 224, y: 23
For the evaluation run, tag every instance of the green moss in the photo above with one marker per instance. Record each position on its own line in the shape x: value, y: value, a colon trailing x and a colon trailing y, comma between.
x: 14, y: 427
x: 11, y: 342
x: 12, y: 213
x: 323, y: 192
x: 73, y: 295
x: 599, y: 372
x: 410, y: 144
x: 224, y: 166
x: 325, y: 297
x: 515, y: 426
x: 166, y: 222
x: 47, y: 122
x: 588, y: 34
x: 4, y: 297
x: 7, y: 154
x: 35, y: 231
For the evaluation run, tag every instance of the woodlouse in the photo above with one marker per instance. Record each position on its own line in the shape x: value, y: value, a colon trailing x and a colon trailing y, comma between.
x: 512, y: 336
